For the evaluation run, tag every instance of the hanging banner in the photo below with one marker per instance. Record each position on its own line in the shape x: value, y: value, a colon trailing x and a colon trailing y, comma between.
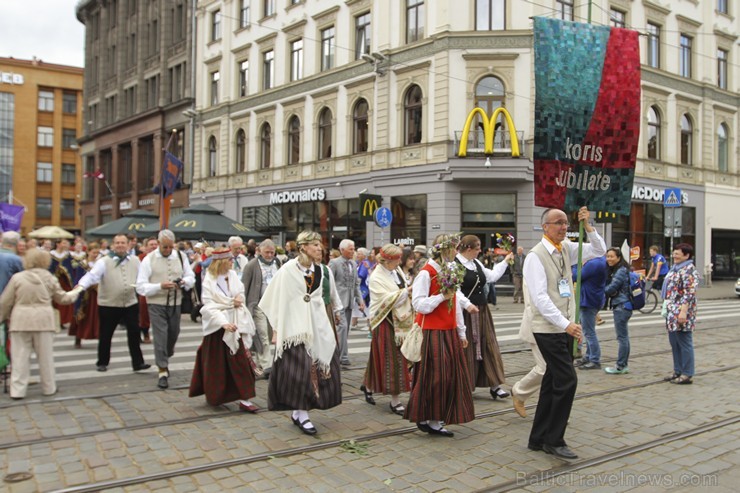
x: 11, y: 217
x: 587, y: 115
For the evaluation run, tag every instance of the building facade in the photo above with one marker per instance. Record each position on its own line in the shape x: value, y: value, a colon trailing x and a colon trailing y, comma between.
x: 137, y: 102
x: 40, y: 121
x: 304, y: 105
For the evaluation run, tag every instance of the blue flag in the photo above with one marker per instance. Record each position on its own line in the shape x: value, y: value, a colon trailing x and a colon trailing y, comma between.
x: 172, y: 167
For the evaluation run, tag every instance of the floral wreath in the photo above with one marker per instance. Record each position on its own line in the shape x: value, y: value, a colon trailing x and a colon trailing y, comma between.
x: 451, y: 242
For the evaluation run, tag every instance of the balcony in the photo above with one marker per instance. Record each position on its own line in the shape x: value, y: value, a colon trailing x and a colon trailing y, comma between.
x: 501, y: 143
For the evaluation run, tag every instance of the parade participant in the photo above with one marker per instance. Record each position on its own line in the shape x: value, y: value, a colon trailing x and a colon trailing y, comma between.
x: 22, y: 247
x: 162, y: 275
x: 332, y: 303
x: 548, y: 308
x: 391, y: 317
x: 27, y: 303
x: 440, y: 392
x: 224, y: 370
x: 305, y: 372
x: 115, y: 275
x: 86, y: 324
x: 61, y: 267
x: 408, y: 261
x: 420, y: 257
x: 483, y: 356
x: 658, y: 267
x: 239, y: 260
x: 10, y: 262
x: 348, y: 287
x: 517, y: 274
x: 593, y: 281
x: 618, y: 293
x: 150, y: 244
x: 363, y: 272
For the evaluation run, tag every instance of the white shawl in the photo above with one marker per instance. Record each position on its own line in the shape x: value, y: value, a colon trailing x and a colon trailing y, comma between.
x: 297, y: 321
x: 218, y: 309
x: 384, y: 299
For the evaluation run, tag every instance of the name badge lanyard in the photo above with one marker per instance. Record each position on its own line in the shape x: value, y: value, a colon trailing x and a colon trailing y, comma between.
x: 563, y: 284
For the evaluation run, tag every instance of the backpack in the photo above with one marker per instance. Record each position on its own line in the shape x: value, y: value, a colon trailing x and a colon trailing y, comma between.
x: 637, y: 290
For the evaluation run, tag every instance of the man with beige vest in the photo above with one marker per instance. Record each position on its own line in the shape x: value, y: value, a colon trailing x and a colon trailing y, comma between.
x: 549, y: 310
x: 115, y: 275
x: 163, y: 272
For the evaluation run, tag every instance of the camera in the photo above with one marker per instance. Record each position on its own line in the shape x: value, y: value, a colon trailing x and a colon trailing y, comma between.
x: 177, y: 281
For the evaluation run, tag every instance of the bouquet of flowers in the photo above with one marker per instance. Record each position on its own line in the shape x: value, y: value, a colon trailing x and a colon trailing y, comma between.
x: 506, y: 242
x: 450, y: 278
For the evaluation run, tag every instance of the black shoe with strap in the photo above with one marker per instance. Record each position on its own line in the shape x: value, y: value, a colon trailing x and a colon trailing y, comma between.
x: 302, y: 425
x: 368, y: 395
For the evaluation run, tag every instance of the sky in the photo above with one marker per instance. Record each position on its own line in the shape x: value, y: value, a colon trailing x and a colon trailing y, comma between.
x: 46, y: 29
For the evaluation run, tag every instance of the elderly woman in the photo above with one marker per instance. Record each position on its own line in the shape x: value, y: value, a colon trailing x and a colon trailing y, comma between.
x: 679, y: 290
x: 27, y: 303
x: 224, y: 370
x: 441, y: 392
x: 391, y: 317
x: 305, y: 374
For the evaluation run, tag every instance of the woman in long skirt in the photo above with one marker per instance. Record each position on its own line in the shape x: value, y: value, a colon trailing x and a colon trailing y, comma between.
x: 391, y: 317
x: 86, y: 324
x: 483, y: 354
x: 224, y: 370
x: 305, y: 374
x: 440, y: 392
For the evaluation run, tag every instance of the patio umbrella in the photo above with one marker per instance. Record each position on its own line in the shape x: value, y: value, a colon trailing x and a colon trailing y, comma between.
x: 51, y: 233
x: 130, y: 223
x: 203, y: 222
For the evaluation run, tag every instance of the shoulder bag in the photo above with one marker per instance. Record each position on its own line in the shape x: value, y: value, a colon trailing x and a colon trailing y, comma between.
x: 411, y: 347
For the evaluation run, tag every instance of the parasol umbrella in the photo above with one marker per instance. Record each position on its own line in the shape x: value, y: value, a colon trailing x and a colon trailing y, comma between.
x: 51, y: 233
x: 204, y: 222
x: 130, y: 223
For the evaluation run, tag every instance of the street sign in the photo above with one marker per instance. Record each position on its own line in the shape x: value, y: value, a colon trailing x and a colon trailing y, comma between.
x: 383, y: 217
x: 672, y: 216
x: 672, y: 197
x: 670, y: 232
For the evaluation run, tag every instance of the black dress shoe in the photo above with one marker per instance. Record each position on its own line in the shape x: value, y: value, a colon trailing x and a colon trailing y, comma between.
x: 562, y: 452
x: 102, y: 368
x: 423, y: 427
x: 499, y: 393
x: 534, y: 446
x: 143, y: 366
x: 368, y: 395
x: 441, y: 431
x: 397, y: 409
x: 302, y: 426
x: 162, y: 383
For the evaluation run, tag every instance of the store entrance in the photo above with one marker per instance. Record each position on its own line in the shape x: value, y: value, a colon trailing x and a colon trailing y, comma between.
x: 725, y: 254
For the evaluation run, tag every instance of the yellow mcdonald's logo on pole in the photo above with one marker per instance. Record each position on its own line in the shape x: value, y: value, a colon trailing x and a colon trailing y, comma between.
x: 186, y: 223
x: 489, y: 126
x: 369, y: 207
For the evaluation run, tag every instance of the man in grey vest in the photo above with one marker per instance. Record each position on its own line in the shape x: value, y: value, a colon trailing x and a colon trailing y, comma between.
x: 348, y: 286
x: 549, y: 309
x: 163, y: 272
x: 117, y: 303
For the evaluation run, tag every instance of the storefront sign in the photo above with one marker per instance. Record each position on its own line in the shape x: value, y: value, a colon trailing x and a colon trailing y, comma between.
x: 124, y: 206
x: 404, y: 242
x: 11, y: 78
x: 310, y: 195
x: 146, y: 202
x: 106, y: 207
x: 368, y: 205
x: 654, y: 194
x: 489, y: 128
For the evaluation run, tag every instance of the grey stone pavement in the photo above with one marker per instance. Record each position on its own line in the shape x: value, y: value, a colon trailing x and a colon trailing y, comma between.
x: 125, y: 437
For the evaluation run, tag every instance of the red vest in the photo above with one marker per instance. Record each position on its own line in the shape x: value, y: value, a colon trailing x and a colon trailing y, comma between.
x: 442, y: 317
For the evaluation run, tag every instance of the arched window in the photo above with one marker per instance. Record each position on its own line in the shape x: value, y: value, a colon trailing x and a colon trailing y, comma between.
x: 294, y: 140
x: 265, y: 146
x: 722, y: 137
x: 686, y: 140
x: 360, y: 127
x: 489, y: 95
x: 325, y: 134
x: 412, y: 115
x: 241, y: 151
x: 653, y: 146
x: 212, y: 157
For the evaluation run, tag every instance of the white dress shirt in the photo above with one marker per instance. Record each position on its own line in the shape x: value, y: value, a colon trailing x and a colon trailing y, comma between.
x: 492, y: 275
x: 424, y: 303
x: 146, y: 288
x: 96, y: 273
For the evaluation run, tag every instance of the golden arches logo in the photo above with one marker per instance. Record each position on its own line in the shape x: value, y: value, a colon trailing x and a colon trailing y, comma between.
x: 369, y: 207
x: 186, y: 223
x: 240, y: 227
x: 489, y: 127
x: 135, y: 226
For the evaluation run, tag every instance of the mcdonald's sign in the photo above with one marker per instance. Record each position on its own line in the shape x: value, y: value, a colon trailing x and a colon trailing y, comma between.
x: 135, y: 226
x: 186, y: 223
x: 489, y: 127
x: 605, y: 217
x: 368, y: 205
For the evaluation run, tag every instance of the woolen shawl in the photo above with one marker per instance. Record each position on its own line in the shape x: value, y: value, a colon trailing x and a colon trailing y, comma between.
x: 218, y: 309
x: 384, y: 295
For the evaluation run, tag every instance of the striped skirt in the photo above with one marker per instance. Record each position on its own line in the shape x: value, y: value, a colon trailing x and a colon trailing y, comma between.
x: 218, y: 374
x: 296, y: 383
x: 484, y: 356
x: 387, y: 370
x: 441, y: 385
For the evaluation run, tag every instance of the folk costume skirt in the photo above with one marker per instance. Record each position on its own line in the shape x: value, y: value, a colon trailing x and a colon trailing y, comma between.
x: 144, y: 322
x: 330, y: 314
x: 483, y: 354
x: 218, y: 374
x: 387, y: 370
x: 297, y: 383
x: 86, y: 323
x: 441, y: 385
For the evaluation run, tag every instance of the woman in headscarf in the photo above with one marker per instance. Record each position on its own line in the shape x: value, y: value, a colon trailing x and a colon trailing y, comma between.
x: 440, y: 393
x: 305, y: 374
x: 391, y: 317
x: 224, y: 370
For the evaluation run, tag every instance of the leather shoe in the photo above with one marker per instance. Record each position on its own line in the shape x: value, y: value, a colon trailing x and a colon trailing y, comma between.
x: 441, y: 431
x: 143, y: 366
x: 162, y: 383
x: 368, y: 395
x: 562, y: 452
x: 423, y: 427
x: 302, y: 426
x: 518, y: 405
x: 397, y: 409
x: 499, y: 393
x: 534, y: 446
x: 248, y: 407
x: 102, y: 368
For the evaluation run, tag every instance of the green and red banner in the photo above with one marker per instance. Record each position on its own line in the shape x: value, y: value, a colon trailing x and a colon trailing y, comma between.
x: 587, y: 115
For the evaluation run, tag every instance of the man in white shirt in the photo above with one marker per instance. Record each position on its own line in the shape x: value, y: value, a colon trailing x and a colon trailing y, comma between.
x: 240, y: 260
x: 549, y: 308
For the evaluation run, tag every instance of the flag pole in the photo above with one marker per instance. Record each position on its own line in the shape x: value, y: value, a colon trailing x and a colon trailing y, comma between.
x: 579, y: 269
x: 164, y: 209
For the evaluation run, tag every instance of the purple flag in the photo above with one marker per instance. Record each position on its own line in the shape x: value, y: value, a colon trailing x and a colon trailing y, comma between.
x: 11, y: 216
x: 172, y: 168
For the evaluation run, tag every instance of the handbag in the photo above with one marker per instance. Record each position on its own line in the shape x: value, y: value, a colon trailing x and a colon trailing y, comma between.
x: 664, y: 309
x: 411, y: 347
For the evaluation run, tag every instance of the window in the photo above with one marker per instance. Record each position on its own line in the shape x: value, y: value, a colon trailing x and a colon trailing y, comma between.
x: 110, y: 109
x: 294, y: 140
x: 412, y: 115
x: 653, y: 45
x: 153, y: 37
x: 215, y: 77
x: 243, y: 78
x: 722, y: 7
x: 684, y: 61
x: 68, y: 208
x: 69, y: 103
x: 296, y: 60
x: 216, y: 25
x: 617, y: 18
x: 124, y: 180
x: 362, y: 35
x: 565, y: 8
x: 243, y: 13
x: 490, y: 95
x: 132, y: 50
x: 494, y: 212
x: 410, y: 218
x: 69, y: 174
x: 241, y: 151
x: 414, y: 20
x: 653, y: 150
x: 359, y: 127
x: 43, y: 208
x: 268, y: 69
x: 88, y: 183
x: 722, y: 147
x: 327, y: 48
x: 325, y: 129
x: 178, y: 23
x: 686, y: 140
x: 177, y: 82
x: 722, y: 69
x: 112, y: 8
x: 46, y: 137
x: 46, y: 101
x: 111, y: 66
x: 69, y: 138
x: 490, y: 15
x: 265, y: 146
x: 268, y: 7
x: 129, y: 101
x: 152, y: 92
x: 212, y: 157
x: 44, y: 172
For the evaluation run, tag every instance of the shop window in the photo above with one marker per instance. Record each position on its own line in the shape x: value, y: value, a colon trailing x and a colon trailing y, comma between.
x: 241, y: 151
x: 412, y: 115
x: 687, y: 140
x: 294, y: 140
x: 409, y: 220
x: 653, y: 149
x: 265, y: 146
x: 486, y: 214
x: 360, y: 127
x: 325, y: 131
x: 722, y: 155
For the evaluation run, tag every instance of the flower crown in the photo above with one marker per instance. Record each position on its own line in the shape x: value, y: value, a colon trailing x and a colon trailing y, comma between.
x: 451, y: 242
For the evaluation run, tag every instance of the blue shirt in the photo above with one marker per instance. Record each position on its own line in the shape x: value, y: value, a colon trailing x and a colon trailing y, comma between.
x: 593, y: 280
x: 10, y: 263
x: 664, y: 267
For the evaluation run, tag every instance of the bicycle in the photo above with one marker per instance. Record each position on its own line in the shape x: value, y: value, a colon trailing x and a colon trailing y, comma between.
x: 652, y: 296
